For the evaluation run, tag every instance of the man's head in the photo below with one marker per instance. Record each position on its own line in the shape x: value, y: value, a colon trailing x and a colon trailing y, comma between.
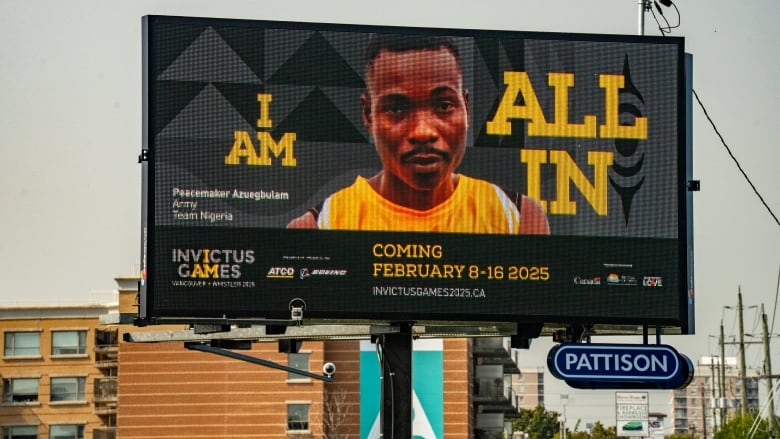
x: 416, y: 109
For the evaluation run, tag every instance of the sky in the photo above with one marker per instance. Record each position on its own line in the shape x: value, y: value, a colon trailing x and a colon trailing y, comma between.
x: 70, y: 134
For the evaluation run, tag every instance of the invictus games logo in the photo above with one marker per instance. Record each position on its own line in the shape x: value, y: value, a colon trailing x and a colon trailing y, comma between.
x: 206, y: 263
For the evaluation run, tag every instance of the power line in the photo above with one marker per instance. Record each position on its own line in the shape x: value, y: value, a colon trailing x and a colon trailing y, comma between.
x: 734, y: 158
x: 667, y: 29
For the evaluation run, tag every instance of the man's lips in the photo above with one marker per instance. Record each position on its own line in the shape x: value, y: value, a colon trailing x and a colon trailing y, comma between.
x: 424, y: 157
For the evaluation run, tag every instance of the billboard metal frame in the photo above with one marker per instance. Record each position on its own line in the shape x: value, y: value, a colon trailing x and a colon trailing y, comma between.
x: 151, y: 292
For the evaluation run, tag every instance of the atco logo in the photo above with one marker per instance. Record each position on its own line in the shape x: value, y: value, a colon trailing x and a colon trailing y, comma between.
x: 280, y: 273
x: 652, y: 281
x: 579, y: 280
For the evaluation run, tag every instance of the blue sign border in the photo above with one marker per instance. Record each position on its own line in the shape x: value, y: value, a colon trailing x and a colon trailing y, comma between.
x: 557, y: 366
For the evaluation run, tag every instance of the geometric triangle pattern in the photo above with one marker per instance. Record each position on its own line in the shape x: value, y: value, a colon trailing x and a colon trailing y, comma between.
x: 315, y: 78
x: 204, y: 77
x: 193, y: 121
x: 209, y: 59
x: 317, y: 62
x: 330, y: 125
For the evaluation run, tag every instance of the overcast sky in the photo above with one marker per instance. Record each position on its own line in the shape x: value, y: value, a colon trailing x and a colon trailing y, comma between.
x: 70, y: 133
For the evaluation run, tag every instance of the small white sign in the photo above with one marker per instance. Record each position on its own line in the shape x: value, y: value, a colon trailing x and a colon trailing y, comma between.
x: 631, y: 413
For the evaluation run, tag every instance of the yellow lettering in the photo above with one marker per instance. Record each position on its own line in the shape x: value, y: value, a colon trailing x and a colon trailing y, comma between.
x: 242, y: 147
x: 265, y: 102
x: 611, y: 127
x: 285, y: 145
x: 534, y: 158
x: 562, y: 128
x: 517, y: 83
x: 205, y: 271
x: 567, y: 170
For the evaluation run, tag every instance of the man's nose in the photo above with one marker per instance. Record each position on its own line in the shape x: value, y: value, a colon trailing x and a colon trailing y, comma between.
x: 423, y: 128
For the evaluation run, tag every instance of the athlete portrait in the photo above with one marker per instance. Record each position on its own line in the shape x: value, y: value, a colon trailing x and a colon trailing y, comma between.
x: 416, y: 109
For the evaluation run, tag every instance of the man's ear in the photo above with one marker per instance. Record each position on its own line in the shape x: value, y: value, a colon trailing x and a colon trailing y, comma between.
x: 365, y: 110
x: 465, y: 94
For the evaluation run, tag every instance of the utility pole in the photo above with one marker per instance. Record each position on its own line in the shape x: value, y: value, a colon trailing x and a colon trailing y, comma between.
x: 743, y: 404
x: 703, y: 403
x: 641, y: 19
x: 713, y: 391
x: 722, y: 382
x: 768, y: 373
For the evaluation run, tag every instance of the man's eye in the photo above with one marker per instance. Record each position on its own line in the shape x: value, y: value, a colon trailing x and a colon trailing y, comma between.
x: 397, y: 109
x: 444, y: 106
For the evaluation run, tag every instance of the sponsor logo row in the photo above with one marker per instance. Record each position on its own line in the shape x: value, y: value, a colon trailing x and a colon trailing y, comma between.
x: 303, y: 273
x: 620, y: 279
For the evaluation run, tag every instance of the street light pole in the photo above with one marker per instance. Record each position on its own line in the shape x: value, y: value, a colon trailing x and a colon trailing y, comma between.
x: 564, y: 400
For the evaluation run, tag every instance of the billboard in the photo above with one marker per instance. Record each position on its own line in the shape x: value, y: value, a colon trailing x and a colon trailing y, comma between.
x: 387, y: 173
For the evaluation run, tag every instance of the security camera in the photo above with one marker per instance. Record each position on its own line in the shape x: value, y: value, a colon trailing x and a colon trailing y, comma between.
x: 329, y: 369
x: 296, y: 313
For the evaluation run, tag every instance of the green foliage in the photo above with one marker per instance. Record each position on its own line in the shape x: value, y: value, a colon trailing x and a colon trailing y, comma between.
x: 597, y: 432
x: 539, y: 423
x: 680, y: 436
x: 600, y: 432
x: 739, y: 427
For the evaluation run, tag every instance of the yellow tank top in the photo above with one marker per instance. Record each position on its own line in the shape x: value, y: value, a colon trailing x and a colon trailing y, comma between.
x: 476, y: 206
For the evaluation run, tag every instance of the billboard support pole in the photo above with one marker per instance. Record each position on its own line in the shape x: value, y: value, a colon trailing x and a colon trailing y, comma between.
x: 396, y: 408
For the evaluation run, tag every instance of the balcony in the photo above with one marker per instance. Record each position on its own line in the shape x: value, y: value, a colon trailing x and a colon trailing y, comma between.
x: 493, y: 390
x: 492, y: 346
x: 106, y: 358
x: 104, y: 433
x: 105, y: 394
x: 106, y: 340
x: 493, y: 396
x: 495, y: 351
x: 490, y: 425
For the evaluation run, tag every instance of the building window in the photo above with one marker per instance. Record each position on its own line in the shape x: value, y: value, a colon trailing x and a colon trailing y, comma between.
x: 298, y: 361
x: 66, y: 432
x: 18, y: 344
x: 69, y: 342
x: 68, y: 389
x: 106, y: 338
x: 20, y: 390
x: 297, y: 417
x: 20, y: 432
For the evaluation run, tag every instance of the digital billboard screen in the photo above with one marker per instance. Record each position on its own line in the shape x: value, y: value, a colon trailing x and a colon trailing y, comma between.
x: 388, y: 173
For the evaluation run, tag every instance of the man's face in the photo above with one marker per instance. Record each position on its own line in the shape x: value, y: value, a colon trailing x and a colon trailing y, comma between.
x: 417, y: 112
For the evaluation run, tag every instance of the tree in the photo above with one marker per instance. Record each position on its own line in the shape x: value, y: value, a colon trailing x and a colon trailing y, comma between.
x: 539, y: 423
x: 336, y: 410
x: 740, y: 426
x: 597, y: 432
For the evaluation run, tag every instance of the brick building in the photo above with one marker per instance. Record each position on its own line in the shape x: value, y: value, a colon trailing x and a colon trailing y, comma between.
x: 58, y: 380
x: 68, y: 373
